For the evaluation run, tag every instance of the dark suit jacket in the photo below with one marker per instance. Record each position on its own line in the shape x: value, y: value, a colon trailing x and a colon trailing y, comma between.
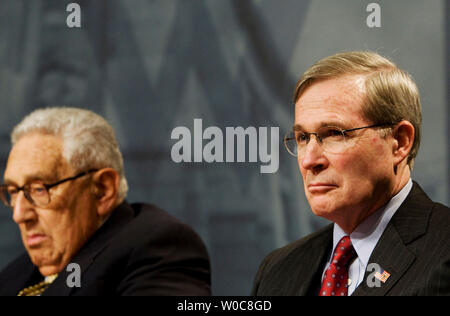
x: 414, y: 249
x: 140, y: 250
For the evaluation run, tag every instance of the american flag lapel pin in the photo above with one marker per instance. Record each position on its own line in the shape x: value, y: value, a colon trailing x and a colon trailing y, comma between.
x: 382, y: 275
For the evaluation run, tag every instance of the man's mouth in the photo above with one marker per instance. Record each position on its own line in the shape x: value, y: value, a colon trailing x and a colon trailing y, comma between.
x: 320, y: 187
x: 35, y: 239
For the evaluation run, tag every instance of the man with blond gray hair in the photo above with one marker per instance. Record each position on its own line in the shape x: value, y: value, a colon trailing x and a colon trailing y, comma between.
x: 65, y: 184
x: 355, y: 136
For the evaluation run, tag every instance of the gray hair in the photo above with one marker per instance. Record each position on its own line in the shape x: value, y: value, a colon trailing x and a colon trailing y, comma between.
x: 89, y: 140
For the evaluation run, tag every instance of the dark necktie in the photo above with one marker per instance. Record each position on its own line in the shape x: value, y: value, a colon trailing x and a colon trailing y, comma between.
x: 335, y: 282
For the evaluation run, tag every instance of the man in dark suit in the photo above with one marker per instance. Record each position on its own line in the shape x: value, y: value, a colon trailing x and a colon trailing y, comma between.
x: 66, y: 186
x: 356, y: 134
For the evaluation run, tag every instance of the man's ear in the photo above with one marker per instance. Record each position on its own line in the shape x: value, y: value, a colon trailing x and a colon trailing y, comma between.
x: 106, y: 187
x: 403, y: 134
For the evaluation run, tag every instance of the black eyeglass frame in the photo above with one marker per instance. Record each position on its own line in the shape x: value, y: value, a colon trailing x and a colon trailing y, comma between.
x: 25, y: 189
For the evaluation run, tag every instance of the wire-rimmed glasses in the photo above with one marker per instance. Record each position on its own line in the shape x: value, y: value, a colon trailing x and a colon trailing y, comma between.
x: 333, y: 139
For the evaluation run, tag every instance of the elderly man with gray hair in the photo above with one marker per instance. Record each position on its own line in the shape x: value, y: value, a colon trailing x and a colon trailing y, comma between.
x: 66, y: 187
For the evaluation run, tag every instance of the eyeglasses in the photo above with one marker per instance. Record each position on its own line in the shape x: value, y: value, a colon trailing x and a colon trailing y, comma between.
x: 37, y: 193
x: 332, y: 139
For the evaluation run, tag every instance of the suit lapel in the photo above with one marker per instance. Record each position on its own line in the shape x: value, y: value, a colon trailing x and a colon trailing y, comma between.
x: 20, y: 274
x: 317, y: 258
x: 96, y: 245
x: 293, y: 270
x: 300, y: 273
x: 391, y: 253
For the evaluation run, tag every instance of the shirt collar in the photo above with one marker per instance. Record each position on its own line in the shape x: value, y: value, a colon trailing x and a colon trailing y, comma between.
x: 365, y: 237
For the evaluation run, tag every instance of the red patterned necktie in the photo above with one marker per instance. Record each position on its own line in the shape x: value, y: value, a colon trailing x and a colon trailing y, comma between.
x: 335, y: 282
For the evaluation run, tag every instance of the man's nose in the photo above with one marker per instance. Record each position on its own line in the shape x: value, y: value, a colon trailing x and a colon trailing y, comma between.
x: 23, y: 209
x: 313, y: 157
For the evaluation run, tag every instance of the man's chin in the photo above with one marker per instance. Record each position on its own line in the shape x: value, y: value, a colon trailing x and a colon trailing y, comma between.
x: 324, y: 213
x: 46, y: 261
x: 320, y: 202
x: 49, y: 270
x: 323, y: 207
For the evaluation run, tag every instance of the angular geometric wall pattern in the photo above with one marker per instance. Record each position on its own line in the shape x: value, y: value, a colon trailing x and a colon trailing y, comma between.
x: 150, y: 66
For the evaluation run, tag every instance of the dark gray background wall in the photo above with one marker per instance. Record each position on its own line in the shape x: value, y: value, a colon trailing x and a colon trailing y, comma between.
x: 149, y: 66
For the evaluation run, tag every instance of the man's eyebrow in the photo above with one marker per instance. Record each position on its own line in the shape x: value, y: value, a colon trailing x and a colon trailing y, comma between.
x: 298, y: 127
x: 33, y: 177
x: 9, y: 182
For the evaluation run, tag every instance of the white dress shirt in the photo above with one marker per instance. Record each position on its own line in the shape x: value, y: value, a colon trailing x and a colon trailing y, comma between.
x: 365, y: 237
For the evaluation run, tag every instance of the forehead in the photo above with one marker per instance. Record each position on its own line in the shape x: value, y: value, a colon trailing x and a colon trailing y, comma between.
x: 336, y: 101
x: 35, y: 157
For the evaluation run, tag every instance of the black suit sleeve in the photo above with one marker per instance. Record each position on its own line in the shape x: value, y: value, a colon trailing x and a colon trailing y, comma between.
x: 439, y: 283
x: 173, y: 262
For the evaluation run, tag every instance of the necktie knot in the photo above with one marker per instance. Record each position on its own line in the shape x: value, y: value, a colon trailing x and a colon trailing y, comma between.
x: 344, y: 252
x: 38, y: 289
x: 335, y: 282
